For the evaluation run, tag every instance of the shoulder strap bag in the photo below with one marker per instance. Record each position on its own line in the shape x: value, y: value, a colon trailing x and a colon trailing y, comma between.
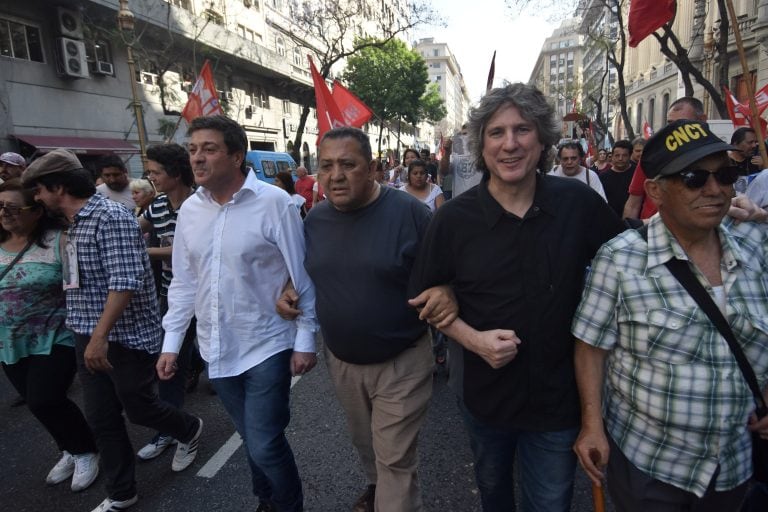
x: 683, y: 273
x: 15, y: 260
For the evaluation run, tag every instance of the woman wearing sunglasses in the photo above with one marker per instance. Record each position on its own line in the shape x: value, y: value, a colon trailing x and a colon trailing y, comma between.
x: 36, y: 349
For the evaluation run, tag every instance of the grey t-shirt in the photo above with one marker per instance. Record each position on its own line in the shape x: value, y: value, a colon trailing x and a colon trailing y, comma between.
x: 123, y: 197
x: 462, y: 168
x: 360, y: 262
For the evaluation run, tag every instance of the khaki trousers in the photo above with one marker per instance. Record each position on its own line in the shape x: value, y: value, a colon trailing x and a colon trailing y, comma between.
x: 385, y: 405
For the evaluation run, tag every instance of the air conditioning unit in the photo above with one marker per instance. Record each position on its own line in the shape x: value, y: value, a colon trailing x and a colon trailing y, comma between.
x: 102, y: 68
x: 69, y: 23
x: 71, y: 59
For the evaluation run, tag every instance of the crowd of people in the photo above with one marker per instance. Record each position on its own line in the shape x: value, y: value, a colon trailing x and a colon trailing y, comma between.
x: 573, y: 338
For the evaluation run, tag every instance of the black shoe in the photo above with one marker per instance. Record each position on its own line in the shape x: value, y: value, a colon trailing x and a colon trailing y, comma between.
x: 365, y: 502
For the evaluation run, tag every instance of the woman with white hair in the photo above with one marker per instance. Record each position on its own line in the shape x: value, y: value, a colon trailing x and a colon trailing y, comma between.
x: 143, y: 193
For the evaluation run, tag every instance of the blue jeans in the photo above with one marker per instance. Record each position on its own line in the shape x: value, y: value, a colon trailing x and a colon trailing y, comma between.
x: 546, y: 466
x: 258, y: 402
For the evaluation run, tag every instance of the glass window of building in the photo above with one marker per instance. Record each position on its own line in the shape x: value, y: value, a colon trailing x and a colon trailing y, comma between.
x: 20, y: 41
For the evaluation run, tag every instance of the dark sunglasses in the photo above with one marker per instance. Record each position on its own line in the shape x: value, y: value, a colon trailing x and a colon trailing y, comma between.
x: 12, y: 209
x: 697, y: 178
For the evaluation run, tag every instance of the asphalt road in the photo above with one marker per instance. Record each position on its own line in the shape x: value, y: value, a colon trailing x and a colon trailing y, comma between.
x: 219, y: 480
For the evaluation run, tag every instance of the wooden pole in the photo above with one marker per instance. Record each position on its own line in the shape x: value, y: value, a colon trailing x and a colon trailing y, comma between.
x: 748, y: 79
x: 598, y: 493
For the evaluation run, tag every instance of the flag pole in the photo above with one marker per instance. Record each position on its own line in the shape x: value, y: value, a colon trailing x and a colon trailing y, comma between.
x: 491, y: 74
x: 748, y: 79
x: 175, y: 129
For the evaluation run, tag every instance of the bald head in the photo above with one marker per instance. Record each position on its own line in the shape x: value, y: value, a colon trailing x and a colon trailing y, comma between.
x: 301, y: 171
x: 686, y: 108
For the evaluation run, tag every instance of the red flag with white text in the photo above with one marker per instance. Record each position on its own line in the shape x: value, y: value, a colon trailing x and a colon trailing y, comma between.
x: 353, y: 110
x: 761, y: 99
x: 647, y: 16
x: 328, y: 114
x: 739, y: 116
x: 203, y: 100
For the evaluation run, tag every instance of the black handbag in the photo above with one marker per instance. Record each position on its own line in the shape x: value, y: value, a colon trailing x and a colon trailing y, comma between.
x: 686, y: 277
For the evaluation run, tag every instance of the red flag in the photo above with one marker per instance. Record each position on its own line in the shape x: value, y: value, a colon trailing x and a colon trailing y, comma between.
x: 736, y: 112
x: 328, y: 113
x: 740, y: 113
x: 203, y: 100
x: 761, y: 99
x: 491, y: 73
x: 355, y: 112
x: 647, y: 130
x: 646, y: 16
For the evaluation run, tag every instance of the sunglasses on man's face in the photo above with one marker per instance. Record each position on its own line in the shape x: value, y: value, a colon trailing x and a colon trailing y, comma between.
x: 697, y: 178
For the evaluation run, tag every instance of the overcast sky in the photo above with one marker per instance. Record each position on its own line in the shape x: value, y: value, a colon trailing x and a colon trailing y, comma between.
x: 475, y: 28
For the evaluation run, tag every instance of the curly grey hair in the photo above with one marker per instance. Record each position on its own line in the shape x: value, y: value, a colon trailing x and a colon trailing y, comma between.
x: 533, y: 107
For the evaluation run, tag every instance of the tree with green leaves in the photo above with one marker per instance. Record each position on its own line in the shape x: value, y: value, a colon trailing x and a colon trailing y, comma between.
x: 392, y: 80
x: 432, y: 105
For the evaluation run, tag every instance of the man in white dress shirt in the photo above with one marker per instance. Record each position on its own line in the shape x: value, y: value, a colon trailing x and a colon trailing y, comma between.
x: 237, y: 242
x: 571, y: 155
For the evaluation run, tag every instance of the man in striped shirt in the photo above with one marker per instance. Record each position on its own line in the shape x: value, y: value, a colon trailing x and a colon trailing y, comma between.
x: 169, y: 170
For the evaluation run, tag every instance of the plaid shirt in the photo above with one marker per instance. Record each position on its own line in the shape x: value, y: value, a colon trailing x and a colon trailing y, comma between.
x: 111, y: 256
x: 675, y: 400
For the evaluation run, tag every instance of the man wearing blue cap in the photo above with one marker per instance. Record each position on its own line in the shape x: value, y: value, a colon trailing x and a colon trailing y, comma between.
x: 677, y: 410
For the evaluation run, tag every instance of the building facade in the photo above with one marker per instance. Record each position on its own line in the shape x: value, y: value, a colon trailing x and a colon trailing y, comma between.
x: 558, y: 70
x: 66, y: 80
x: 653, y: 81
x: 444, y: 70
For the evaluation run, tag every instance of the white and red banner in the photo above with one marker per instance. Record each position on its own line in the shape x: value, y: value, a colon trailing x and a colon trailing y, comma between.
x: 739, y: 116
x: 203, y: 100
x: 740, y: 112
x: 647, y: 130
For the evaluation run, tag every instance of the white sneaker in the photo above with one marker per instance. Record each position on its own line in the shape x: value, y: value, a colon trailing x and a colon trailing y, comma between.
x: 110, y: 505
x: 62, y: 470
x: 186, y: 452
x: 155, y: 447
x: 86, y: 470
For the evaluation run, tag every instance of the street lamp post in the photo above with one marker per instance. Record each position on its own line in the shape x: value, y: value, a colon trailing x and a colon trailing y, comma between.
x: 126, y: 22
